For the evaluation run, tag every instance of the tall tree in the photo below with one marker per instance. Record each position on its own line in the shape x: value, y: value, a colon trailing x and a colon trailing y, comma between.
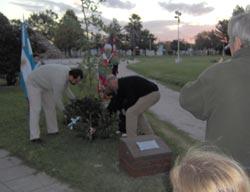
x: 221, y: 30
x: 215, y: 41
x: 183, y: 45
x: 202, y: 40
x: 10, y: 50
x: 91, y: 19
x: 69, y: 33
x: 133, y: 29
x: 114, y: 30
x: 238, y: 10
x: 44, y: 22
x: 147, y: 40
x: 208, y: 40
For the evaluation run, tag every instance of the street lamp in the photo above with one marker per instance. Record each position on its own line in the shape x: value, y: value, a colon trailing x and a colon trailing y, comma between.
x: 178, y: 14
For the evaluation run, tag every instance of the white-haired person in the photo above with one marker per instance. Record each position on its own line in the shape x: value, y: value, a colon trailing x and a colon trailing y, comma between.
x: 221, y: 95
x: 208, y: 171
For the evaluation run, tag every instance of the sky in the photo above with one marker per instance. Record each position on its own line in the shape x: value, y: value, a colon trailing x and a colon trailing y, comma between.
x: 158, y: 16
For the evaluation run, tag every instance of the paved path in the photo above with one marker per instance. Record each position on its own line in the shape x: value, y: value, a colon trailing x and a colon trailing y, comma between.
x: 16, y: 177
x: 168, y: 109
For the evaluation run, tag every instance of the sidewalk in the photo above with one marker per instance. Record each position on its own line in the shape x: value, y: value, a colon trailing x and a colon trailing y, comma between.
x: 16, y: 177
x: 168, y: 109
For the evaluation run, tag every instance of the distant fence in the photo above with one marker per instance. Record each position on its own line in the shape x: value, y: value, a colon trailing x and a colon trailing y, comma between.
x: 147, y: 52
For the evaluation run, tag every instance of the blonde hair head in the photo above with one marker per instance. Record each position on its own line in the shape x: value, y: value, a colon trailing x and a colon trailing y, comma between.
x: 207, y: 171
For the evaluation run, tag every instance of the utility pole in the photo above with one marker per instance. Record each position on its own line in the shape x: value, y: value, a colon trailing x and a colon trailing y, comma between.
x: 178, y: 14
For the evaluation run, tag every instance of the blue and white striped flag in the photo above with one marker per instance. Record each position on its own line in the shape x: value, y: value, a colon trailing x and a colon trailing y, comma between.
x: 27, y: 61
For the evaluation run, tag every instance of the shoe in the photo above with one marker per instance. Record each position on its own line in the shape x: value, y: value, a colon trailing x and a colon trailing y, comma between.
x: 124, y: 135
x: 38, y: 141
x: 118, y: 132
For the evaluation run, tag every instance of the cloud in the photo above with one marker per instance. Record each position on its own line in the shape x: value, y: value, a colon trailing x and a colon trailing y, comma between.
x: 159, y: 24
x: 189, y: 32
x: 119, y: 4
x: 163, y: 30
x: 30, y: 5
x: 192, y: 9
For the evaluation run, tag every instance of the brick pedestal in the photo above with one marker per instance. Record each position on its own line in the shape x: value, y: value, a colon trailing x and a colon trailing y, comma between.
x: 139, y: 162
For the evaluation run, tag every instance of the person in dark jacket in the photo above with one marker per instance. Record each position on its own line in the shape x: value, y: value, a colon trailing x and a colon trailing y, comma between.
x: 133, y: 95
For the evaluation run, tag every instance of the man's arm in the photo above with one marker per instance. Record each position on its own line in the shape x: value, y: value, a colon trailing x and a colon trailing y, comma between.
x: 114, y: 104
x: 58, y: 90
x: 69, y: 93
x: 192, y: 98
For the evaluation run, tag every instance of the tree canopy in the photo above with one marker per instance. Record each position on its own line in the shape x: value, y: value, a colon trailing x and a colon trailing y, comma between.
x: 133, y: 29
x: 208, y: 40
x: 69, y: 33
x: 10, y: 50
x: 45, y: 22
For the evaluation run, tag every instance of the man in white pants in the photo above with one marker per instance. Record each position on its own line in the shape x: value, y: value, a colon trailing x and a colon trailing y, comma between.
x: 45, y: 86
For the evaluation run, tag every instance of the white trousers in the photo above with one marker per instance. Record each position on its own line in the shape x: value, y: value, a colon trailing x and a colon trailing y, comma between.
x: 134, y: 115
x: 38, y: 99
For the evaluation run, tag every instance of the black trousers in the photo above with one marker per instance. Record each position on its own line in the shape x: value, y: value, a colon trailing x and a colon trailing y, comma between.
x: 122, y: 123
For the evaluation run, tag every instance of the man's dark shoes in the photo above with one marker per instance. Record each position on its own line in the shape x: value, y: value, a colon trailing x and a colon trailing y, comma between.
x: 37, y: 141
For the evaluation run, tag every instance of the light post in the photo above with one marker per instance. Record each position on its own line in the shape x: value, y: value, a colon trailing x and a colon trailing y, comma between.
x: 178, y: 14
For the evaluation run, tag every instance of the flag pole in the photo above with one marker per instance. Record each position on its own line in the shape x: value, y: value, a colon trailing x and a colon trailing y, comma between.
x: 22, y: 82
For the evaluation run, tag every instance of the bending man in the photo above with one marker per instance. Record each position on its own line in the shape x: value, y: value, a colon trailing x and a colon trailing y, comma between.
x: 135, y: 95
x: 45, y: 87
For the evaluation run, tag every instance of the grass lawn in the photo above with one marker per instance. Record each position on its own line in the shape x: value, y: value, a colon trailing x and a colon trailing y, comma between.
x: 165, y: 70
x: 178, y: 140
x: 88, y: 166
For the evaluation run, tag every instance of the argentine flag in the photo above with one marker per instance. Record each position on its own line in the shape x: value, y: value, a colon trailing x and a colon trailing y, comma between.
x: 27, y: 61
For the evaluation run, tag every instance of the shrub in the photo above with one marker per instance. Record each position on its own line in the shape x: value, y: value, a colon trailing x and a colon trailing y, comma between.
x: 95, y: 120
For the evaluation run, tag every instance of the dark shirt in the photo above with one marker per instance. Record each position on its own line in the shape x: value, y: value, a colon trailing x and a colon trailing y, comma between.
x: 130, y: 89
